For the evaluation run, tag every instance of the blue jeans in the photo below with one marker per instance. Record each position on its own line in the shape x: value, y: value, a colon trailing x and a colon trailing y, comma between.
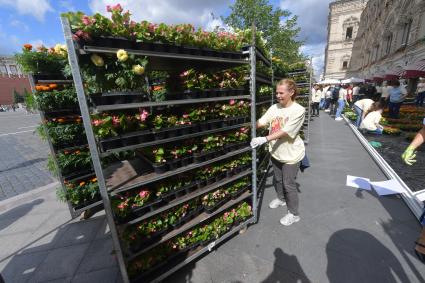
x: 322, y: 103
x: 359, y: 113
x: 420, y: 99
x: 341, y: 103
x: 394, y: 109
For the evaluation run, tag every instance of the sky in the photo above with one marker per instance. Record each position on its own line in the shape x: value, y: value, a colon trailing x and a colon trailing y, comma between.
x: 37, y: 21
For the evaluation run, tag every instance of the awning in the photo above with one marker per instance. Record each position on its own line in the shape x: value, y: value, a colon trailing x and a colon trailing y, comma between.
x: 378, y: 77
x: 394, y: 74
x: 415, y: 70
x: 353, y: 80
x: 329, y: 82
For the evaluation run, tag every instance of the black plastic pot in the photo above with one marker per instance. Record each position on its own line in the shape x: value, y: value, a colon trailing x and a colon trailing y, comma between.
x: 198, y: 157
x: 160, y: 168
x: 159, y: 134
x: 174, y: 164
x: 111, y: 143
x: 204, y: 126
x: 147, y: 46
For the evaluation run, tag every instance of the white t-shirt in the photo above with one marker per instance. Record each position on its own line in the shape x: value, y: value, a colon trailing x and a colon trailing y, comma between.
x: 371, y: 121
x: 342, y: 94
x: 364, y: 104
x: 420, y: 88
x: 289, y: 149
x: 316, y: 95
x: 356, y: 91
x: 386, y: 91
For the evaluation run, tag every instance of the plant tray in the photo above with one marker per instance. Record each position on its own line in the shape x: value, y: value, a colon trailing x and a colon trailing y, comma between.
x: 189, y: 216
x: 138, y: 211
x: 108, y: 98
x: 211, y: 209
x: 146, y: 241
x: 88, y: 202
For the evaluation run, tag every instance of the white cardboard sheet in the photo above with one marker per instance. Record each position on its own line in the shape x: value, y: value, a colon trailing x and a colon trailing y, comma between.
x: 388, y: 187
x: 358, y: 182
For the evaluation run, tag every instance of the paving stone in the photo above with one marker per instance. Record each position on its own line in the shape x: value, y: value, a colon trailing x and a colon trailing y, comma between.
x: 60, y: 263
x: 22, y: 267
x: 80, y: 232
x: 108, y: 275
x: 98, y: 256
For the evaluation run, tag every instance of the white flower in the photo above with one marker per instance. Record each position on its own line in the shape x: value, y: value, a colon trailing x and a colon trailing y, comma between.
x: 138, y: 70
x: 97, y: 60
x: 122, y: 55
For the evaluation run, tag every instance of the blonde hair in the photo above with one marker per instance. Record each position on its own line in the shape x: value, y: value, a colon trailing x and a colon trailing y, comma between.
x: 291, y: 85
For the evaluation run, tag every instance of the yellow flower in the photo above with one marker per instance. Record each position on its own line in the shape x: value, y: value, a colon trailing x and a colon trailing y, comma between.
x: 122, y: 55
x: 138, y: 70
x: 97, y: 60
x: 61, y: 49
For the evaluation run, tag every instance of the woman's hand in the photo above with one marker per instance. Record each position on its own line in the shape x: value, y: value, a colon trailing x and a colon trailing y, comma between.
x: 258, y: 141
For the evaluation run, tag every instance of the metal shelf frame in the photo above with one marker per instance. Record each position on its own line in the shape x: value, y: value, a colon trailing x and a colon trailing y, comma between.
x: 103, y: 108
x: 74, y: 51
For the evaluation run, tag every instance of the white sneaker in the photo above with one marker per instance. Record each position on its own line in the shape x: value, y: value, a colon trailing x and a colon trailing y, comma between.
x: 327, y: 110
x: 276, y: 203
x: 338, y: 119
x: 289, y: 219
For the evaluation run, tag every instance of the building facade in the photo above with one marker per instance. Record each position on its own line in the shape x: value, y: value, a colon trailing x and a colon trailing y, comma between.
x: 391, y: 36
x: 343, y: 25
x: 9, y: 67
x: 11, y: 80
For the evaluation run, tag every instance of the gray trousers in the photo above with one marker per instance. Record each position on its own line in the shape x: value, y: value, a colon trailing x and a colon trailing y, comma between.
x: 285, y: 185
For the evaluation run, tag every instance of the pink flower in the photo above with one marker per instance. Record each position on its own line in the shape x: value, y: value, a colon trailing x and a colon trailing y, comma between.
x: 144, y: 115
x: 117, y: 8
x: 151, y: 27
x: 115, y: 120
x: 86, y: 20
x: 144, y: 194
x: 185, y: 116
x: 108, y: 8
x: 97, y: 123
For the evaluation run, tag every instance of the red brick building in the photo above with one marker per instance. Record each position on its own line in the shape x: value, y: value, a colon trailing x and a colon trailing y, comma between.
x: 10, y: 83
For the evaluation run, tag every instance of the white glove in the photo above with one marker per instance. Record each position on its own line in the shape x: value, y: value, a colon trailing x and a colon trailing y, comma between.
x: 258, y: 141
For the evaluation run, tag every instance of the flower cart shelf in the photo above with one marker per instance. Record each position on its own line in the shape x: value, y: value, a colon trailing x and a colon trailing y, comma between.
x: 303, y: 79
x: 129, y: 188
x: 59, y: 146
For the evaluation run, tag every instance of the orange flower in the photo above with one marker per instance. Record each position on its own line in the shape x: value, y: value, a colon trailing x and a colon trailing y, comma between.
x: 77, y: 152
x: 94, y: 179
x: 39, y: 87
x: 53, y: 86
x: 157, y: 87
x: 45, y: 88
x: 82, y: 184
x: 66, y: 151
x: 28, y: 47
x: 61, y: 120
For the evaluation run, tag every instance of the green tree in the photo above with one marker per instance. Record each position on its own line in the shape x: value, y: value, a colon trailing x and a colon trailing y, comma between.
x: 279, y: 27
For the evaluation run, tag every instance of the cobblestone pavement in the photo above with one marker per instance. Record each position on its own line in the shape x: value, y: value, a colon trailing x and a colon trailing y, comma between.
x: 23, y: 156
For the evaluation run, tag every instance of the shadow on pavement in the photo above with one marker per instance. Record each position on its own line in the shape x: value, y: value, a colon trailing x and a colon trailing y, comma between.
x: 356, y: 256
x: 14, y: 214
x: 24, y: 164
x: 286, y: 269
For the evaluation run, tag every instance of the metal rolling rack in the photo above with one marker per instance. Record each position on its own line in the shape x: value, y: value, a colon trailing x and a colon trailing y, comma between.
x: 308, y: 72
x: 161, y: 60
x: 74, y: 212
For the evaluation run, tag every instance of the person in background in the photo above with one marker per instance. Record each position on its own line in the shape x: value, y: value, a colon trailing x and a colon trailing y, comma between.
x: 361, y: 107
x: 322, y: 97
x: 378, y: 91
x: 350, y: 94
x: 284, y: 119
x: 420, y: 91
x: 362, y: 91
x: 386, y: 86
x: 315, y: 100
x: 373, y: 115
x: 397, y: 94
x: 334, y: 100
x: 408, y: 157
x: 342, y: 100
x: 325, y: 96
x: 328, y: 98
x: 356, y: 90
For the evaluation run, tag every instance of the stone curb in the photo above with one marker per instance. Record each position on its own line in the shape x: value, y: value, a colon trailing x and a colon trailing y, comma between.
x: 26, y: 197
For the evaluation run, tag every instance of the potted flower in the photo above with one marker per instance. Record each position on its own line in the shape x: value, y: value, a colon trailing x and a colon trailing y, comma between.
x: 159, y: 122
x: 159, y: 165
x: 214, y: 200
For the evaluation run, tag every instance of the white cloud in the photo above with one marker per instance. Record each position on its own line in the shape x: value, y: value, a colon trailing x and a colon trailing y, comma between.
x: 317, y: 53
x: 313, y: 21
x: 195, y: 12
x: 12, y: 45
x: 19, y: 24
x: 67, y: 6
x: 36, y: 8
